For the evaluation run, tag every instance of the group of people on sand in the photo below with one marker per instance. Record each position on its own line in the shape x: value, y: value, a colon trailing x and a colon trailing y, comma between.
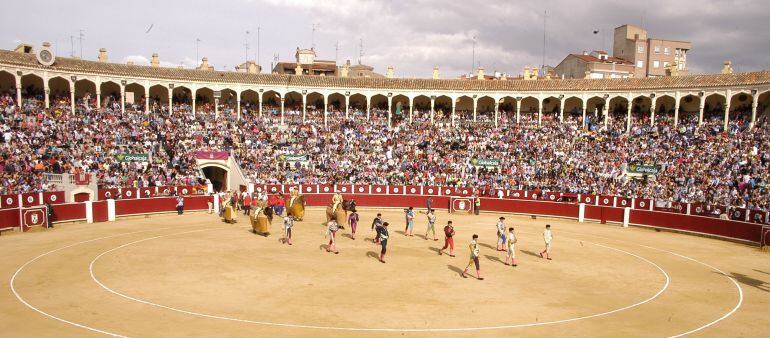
x: 506, y: 238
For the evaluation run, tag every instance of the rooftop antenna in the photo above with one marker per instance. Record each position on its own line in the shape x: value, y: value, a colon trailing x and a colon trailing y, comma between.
x: 336, y: 52
x: 361, y: 51
x: 275, y: 61
x: 246, y: 45
x: 312, y: 37
x: 72, y: 46
x: 473, y: 58
x: 80, y: 37
x: 197, y: 51
x: 258, y: 43
x: 545, y: 16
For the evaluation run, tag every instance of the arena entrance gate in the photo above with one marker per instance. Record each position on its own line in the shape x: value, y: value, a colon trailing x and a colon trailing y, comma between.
x: 217, y: 176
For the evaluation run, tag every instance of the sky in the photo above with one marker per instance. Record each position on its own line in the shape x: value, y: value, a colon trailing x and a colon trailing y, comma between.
x: 411, y: 35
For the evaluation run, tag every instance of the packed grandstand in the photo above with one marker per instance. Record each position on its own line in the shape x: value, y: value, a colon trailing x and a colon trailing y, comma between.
x: 715, y: 151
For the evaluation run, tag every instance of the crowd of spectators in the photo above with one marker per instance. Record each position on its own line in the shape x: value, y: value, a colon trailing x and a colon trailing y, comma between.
x: 698, y: 163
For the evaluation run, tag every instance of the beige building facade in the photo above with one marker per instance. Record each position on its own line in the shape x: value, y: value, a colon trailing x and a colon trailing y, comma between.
x: 650, y: 56
x: 596, y: 65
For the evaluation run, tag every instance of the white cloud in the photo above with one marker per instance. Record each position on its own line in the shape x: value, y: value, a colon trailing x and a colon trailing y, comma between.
x: 411, y: 35
x: 136, y: 59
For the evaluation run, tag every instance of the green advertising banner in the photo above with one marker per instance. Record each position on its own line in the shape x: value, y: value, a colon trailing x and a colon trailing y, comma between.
x: 643, y: 169
x: 292, y: 158
x: 485, y: 162
x: 133, y: 157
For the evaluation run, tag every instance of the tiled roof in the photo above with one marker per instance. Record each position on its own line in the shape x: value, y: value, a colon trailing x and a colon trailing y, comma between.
x: 76, y: 66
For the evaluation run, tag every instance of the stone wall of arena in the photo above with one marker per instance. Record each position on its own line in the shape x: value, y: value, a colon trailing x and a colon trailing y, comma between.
x: 623, y: 211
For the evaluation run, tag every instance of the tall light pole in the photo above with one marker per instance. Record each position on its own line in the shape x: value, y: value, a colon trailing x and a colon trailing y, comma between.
x: 246, y: 45
x: 258, y: 43
x: 473, y: 58
x: 197, y: 50
x: 80, y: 37
x: 545, y: 16
x: 312, y: 37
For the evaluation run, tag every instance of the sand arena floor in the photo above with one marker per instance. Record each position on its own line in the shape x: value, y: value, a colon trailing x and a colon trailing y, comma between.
x: 194, y: 275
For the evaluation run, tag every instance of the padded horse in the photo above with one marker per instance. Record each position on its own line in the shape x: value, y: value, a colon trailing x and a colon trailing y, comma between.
x: 260, y: 222
x: 297, y: 209
x: 340, y: 214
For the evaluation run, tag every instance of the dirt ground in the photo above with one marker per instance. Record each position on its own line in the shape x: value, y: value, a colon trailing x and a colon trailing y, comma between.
x: 194, y: 275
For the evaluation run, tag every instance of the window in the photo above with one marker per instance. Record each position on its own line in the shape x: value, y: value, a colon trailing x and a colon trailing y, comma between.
x: 657, y: 49
x: 640, y: 49
x: 640, y: 64
x: 666, y: 51
x: 656, y: 64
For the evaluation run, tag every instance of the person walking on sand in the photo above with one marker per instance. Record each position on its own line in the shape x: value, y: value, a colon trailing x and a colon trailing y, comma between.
x: 548, y: 238
x: 331, y: 232
x: 449, y: 242
x: 510, y: 241
x: 474, y: 258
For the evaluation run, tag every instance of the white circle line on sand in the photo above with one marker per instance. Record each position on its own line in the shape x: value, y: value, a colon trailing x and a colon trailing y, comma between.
x: 319, y: 327
x: 32, y: 307
x: 729, y: 313
x: 737, y: 285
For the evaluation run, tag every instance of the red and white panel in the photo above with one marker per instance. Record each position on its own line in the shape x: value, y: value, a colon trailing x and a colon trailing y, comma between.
x: 105, y: 194
x: 535, y: 195
x: 461, y: 204
x: 273, y: 188
x: 130, y: 193
x: 396, y: 189
x: 286, y: 188
x: 165, y: 191
x: 758, y: 216
x: 9, y: 201
x: 344, y: 188
x: 379, y: 190
x: 719, y: 209
x: 738, y: 214
x: 588, y: 199
x: 679, y: 207
x: 622, y: 202
x: 309, y: 189
x: 605, y: 200
x: 53, y: 197
x: 325, y: 188
x: 31, y: 199
x: 431, y: 191
x: 552, y: 196
x: 446, y: 191
x: 517, y: 194
x: 463, y: 191
x: 33, y: 217
x: 184, y: 190
x: 642, y: 203
x: 698, y: 209
x: 148, y: 192
x: 413, y: 190
x: 362, y: 189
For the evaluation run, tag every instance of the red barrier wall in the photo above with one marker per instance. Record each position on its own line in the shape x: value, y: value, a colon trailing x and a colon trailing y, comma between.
x: 161, y: 204
x: 99, y: 210
x: 530, y: 207
x: 675, y: 221
x: 69, y: 212
x: 604, y: 214
x: 9, y: 218
x: 706, y: 225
